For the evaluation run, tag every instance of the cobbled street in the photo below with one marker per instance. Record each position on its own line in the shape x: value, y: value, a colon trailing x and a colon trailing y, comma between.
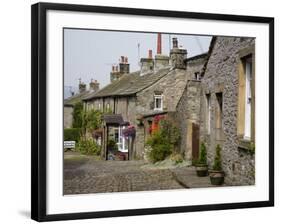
x: 84, y: 174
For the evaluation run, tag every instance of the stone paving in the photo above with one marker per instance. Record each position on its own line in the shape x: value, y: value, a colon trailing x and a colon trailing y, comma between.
x: 83, y: 174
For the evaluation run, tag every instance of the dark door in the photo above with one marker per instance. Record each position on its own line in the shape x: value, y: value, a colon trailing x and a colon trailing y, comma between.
x: 195, y: 141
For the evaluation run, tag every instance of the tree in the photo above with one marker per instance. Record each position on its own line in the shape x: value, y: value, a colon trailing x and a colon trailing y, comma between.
x: 77, y: 115
x: 91, y: 120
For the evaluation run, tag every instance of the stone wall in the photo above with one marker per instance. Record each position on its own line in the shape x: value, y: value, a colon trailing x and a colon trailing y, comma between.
x: 188, y: 107
x: 195, y: 64
x: 171, y: 86
x: 188, y: 112
x: 96, y: 104
x: 68, y: 117
x: 221, y: 77
x: 161, y: 61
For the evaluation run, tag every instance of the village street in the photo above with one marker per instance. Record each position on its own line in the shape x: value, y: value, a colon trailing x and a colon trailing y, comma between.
x: 84, y: 174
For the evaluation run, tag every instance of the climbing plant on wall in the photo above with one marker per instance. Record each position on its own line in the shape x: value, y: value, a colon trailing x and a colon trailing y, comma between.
x: 164, y: 139
x: 77, y: 115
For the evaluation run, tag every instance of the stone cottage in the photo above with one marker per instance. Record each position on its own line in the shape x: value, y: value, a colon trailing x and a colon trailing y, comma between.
x: 227, y: 111
x: 210, y: 97
x: 69, y: 103
x: 157, y: 88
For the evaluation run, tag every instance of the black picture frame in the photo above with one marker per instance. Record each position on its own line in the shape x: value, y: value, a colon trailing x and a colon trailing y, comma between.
x: 39, y: 114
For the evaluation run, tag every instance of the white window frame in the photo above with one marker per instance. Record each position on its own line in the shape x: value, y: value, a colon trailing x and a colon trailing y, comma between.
x: 208, y: 113
x: 157, y: 97
x: 248, y: 98
x: 121, y: 140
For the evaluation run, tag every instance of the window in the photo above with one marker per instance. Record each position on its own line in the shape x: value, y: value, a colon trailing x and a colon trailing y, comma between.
x: 219, y: 134
x: 248, y: 78
x: 158, y: 102
x: 122, y: 143
x: 219, y: 111
x: 245, y: 119
x: 99, y: 106
x: 208, y: 113
x: 197, y: 76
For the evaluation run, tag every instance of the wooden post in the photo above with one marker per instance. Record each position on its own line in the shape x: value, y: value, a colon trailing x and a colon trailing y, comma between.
x: 132, y: 148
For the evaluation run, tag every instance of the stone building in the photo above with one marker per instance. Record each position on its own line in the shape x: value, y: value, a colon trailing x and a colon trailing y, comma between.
x: 188, y: 108
x: 156, y: 88
x: 69, y: 103
x: 210, y: 97
x: 227, y: 105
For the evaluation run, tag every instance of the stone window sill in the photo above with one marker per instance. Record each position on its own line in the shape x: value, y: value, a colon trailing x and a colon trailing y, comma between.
x: 246, y: 145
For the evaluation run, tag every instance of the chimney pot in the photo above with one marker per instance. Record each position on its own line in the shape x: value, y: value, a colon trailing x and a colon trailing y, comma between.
x: 175, y: 42
x: 149, y: 53
x: 159, y: 44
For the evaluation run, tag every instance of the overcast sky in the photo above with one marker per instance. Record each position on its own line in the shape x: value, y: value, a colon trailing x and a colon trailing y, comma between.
x: 89, y: 54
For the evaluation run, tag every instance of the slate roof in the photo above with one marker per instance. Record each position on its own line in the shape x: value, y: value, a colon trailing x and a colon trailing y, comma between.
x: 70, y: 101
x: 211, y: 47
x: 196, y: 57
x: 129, y: 84
x: 113, y: 119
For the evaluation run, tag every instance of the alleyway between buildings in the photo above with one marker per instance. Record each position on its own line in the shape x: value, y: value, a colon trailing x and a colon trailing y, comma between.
x: 85, y: 174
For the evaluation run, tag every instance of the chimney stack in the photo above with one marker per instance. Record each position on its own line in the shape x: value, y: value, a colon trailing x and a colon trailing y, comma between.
x: 161, y: 61
x: 94, y: 85
x: 147, y: 64
x: 159, y: 43
x: 82, y: 86
x: 178, y: 56
x: 124, y: 66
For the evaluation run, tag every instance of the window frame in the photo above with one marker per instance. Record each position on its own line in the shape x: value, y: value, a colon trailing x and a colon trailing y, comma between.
x: 243, y: 56
x: 157, y: 97
x: 208, y: 113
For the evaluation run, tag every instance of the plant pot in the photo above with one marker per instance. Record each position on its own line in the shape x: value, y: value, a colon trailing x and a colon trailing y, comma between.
x: 202, y: 170
x: 216, y: 177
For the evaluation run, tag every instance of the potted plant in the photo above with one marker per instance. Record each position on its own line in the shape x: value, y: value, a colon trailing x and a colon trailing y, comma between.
x: 217, y: 174
x: 201, y: 165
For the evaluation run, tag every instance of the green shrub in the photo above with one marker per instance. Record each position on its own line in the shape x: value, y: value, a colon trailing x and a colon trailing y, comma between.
x: 88, y: 147
x: 159, y: 153
x: 164, y: 141
x: 169, y: 131
x: 72, y: 134
x: 203, y: 154
x: 77, y: 115
x: 111, y: 145
x: 217, y: 162
x: 160, y: 147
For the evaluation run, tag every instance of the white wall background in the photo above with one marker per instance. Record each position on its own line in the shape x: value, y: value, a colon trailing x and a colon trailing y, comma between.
x: 15, y: 110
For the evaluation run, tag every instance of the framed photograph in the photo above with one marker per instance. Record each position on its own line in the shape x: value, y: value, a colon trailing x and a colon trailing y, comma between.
x: 140, y: 111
